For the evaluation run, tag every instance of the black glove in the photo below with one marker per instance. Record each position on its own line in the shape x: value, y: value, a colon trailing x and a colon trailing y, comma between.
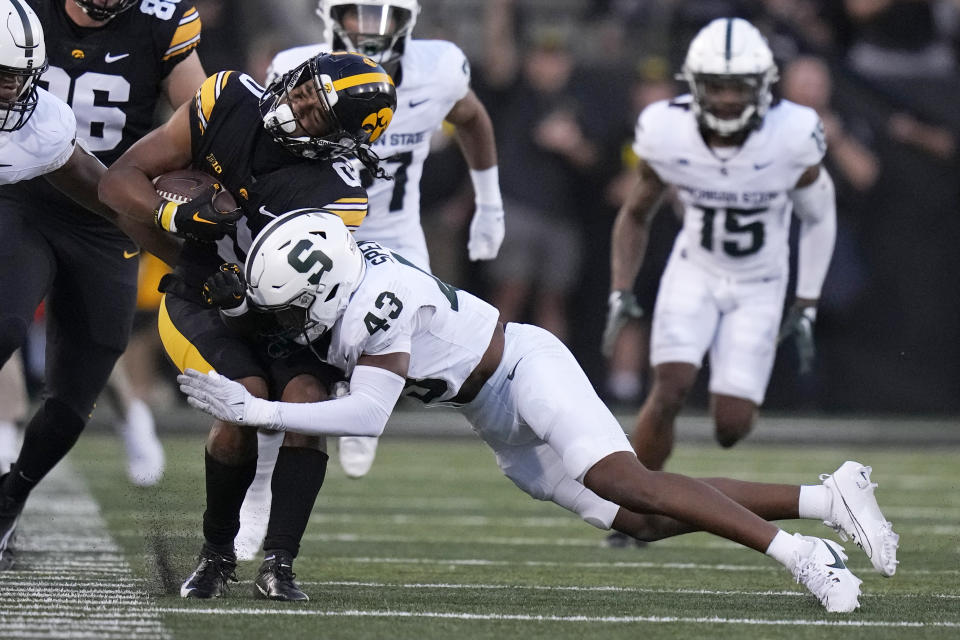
x: 226, y: 288
x: 198, y: 219
x: 622, y: 306
x: 798, y: 324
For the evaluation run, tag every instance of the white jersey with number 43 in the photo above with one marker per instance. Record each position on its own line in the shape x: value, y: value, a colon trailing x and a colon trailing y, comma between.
x: 434, y: 76
x: 737, y: 206
x: 42, y: 145
x: 399, y: 308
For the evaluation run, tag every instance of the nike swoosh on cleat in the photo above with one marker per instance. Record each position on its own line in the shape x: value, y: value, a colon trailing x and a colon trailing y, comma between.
x: 110, y: 58
x: 130, y: 254
x: 197, y: 217
x: 762, y: 165
x: 839, y: 562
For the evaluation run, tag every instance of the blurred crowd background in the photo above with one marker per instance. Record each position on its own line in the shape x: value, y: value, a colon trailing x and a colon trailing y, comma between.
x: 564, y: 81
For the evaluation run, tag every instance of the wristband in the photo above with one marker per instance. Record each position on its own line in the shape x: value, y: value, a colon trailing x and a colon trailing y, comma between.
x: 164, y: 216
x: 262, y: 413
x: 486, y: 186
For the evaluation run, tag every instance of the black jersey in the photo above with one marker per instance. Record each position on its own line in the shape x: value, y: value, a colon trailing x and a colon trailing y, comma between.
x: 229, y: 142
x: 112, y: 75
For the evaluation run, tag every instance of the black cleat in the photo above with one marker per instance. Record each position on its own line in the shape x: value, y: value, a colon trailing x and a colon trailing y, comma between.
x: 10, y: 511
x: 275, y: 579
x: 209, y: 579
x: 618, y: 540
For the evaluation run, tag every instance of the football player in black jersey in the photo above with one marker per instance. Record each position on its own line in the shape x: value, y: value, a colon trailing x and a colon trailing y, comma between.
x: 110, y: 61
x: 291, y: 146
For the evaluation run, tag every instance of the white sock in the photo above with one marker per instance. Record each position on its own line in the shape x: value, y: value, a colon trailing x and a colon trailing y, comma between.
x: 784, y: 549
x: 815, y: 502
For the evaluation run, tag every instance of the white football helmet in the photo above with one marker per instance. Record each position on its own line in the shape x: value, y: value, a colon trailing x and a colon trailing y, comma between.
x: 378, y: 29
x: 729, y: 68
x: 302, y: 269
x: 23, y: 59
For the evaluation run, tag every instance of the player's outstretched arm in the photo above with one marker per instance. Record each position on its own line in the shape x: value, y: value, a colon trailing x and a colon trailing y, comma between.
x: 79, y: 179
x: 374, y: 390
x: 127, y: 186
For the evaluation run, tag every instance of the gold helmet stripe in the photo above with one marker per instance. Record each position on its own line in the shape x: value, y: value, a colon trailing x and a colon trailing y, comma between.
x: 361, y: 78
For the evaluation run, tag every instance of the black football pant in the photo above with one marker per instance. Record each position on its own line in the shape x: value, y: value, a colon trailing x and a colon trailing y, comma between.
x: 86, y: 271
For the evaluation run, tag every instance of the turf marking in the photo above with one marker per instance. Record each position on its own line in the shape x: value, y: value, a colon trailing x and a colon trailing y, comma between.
x: 352, y: 613
x: 71, y: 579
x: 482, y: 562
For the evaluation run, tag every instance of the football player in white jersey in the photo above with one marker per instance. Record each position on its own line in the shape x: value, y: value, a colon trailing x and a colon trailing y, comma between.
x: 38, y: 137
x: 740, y: 166
x: 397, y: 330
x: 433, y: 84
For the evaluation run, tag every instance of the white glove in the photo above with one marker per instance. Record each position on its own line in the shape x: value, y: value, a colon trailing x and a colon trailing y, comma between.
x: 622, y: 306
x: 798, y: 324
x: 486, y: 232
x: 227, y: 400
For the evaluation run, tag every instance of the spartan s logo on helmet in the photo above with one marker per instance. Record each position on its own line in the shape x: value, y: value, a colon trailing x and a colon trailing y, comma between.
x: 357, y: 98
x: 23, y: 59
x: 376, y: 28
x: 302, y: 269
x: 729, y: 69
x: 110, y: 10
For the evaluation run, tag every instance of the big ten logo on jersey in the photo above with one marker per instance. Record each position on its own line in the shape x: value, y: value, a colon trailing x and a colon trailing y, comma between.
x: 162, y: 9
x: 98, y: 125
x: 373, y: 252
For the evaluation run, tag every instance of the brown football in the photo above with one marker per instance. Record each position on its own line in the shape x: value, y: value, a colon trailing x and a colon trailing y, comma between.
x: 186, y: 184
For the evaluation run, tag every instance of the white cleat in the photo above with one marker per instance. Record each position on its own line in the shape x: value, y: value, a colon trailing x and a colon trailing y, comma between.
x: 821, y: 568
x: 854, y: 513
x: 356, y: 455
x: 145, y: 458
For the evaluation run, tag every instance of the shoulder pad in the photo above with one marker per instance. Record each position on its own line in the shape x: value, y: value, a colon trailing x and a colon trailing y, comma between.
x: 802, y: 132
x: 654, y: 127
x: 186, y: 36
x: 289, y: 58
x: 440, y: 63
x: 209, y: 93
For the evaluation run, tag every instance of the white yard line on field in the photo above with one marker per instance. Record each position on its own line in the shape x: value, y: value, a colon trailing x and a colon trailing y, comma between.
x: 596, y: 588
x: 578, y: 619
x: 71, y: 579
x: 481, y: 562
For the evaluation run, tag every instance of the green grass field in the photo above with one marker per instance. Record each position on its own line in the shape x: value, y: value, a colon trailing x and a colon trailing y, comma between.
x: 435, y: 543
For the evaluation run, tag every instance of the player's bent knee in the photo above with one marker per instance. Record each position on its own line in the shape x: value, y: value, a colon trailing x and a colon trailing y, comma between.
x: 305, y: 388
x: 621, y: 478
x: 734, y: 418
x: 232, y: 444
x: 730, y: 434
x: 594, y: 510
